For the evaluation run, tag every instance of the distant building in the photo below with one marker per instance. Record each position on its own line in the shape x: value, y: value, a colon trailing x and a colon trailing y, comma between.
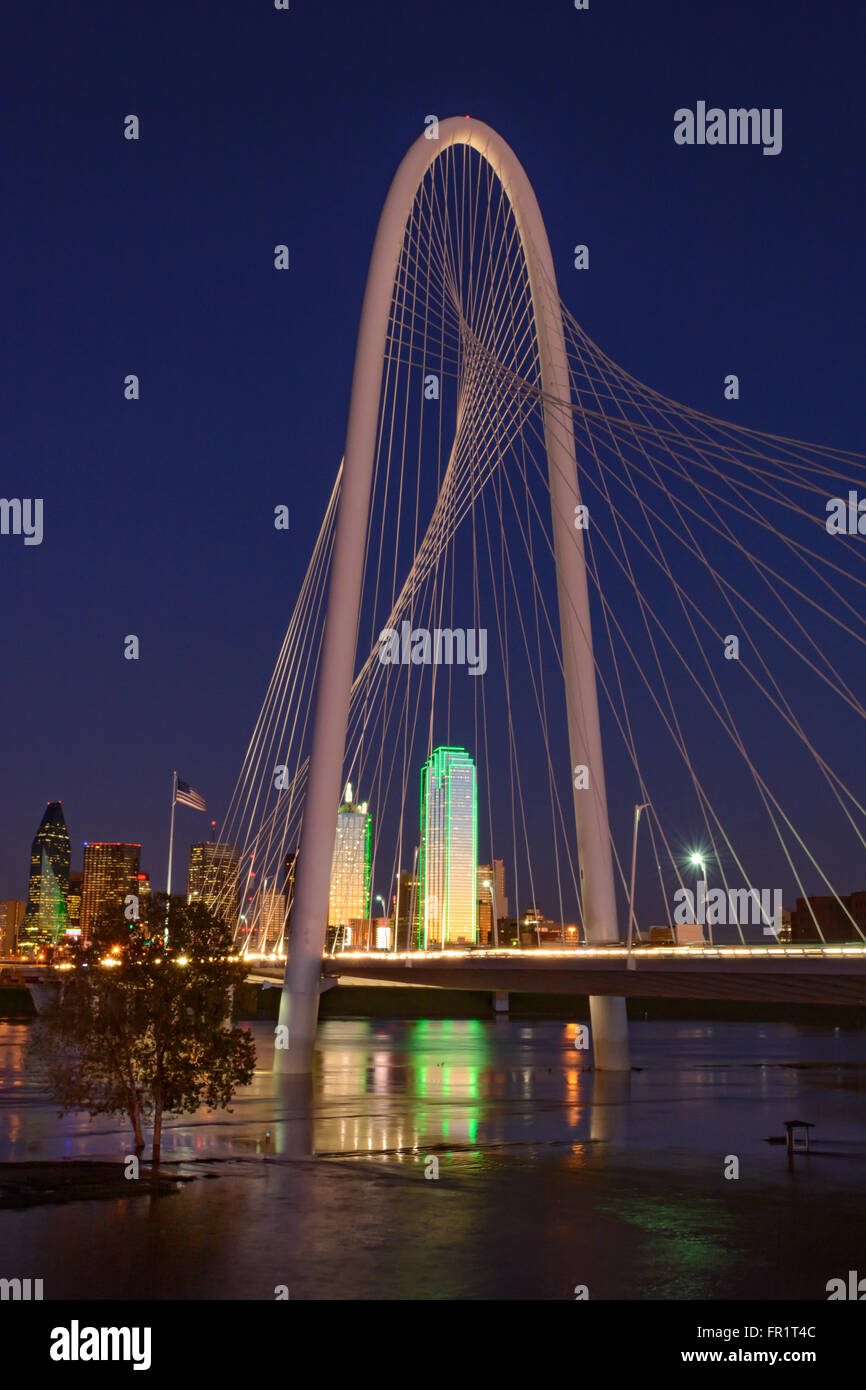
x: 12, y: 912
x: 45, y: 919
x: 831, y: 916
x: 143, y: 896
x: 350, y: 867
x: 538, y: 930
x: 486, y: 935
x: 110, y: 877
x: 488, y: 896
x: 449, y: 850
x: 364, y: 934
x: 73, y: 903
x: 406, y: 911
x: 213, y: 878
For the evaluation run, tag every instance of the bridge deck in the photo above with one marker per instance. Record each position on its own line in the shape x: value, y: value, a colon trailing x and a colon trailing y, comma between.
x: 768, y: 974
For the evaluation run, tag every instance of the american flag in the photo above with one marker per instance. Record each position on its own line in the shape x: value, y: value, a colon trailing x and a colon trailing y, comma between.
x: 186, y: 795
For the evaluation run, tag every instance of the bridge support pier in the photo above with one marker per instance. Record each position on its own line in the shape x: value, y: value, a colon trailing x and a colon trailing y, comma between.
x: 299, y: 1014
x: 500, y: 1001
x: 609, y: 1033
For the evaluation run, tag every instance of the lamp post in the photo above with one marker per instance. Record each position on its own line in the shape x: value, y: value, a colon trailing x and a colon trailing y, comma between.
x: 631, y: 921
x: 379, y: 899
x: 700, y: 862
x: 412, y: 900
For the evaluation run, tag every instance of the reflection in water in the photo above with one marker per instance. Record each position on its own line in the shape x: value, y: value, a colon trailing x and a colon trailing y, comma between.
x: 550, y: 1174
x: 398, y: 1087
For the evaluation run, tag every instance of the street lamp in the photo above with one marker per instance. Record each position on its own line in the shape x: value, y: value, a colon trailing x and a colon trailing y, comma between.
x: 631, y: 921
x: 488, y: 883
x: 379, y: 899
x: 700, y: 862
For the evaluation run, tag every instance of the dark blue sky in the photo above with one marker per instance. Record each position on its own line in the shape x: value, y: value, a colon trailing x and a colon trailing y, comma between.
x: 156, y: 257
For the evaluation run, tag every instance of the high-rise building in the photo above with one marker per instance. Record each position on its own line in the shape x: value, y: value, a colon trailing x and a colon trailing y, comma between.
x: 406, y: 911
x: 213, y: 878
x: 449, y: 849
x: 73, y: 903
x: 11, y: 916
x: 491, y: 897
x: 45, y: 919
x: 350, y: 866
x: 110, y: 876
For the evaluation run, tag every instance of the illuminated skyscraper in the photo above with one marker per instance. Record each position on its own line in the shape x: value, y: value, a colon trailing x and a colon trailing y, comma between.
x: 73, y: 903
x: 110, y: 876
x: 45, y: 919
x: 449, y: 849
x: 213, y: 878
x: 350, y: 866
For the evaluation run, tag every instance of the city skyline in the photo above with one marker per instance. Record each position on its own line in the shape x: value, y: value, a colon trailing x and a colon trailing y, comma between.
x: 435, y: 433
x: 680, y: 290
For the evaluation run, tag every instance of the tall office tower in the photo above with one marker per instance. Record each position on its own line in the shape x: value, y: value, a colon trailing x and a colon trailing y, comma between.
x: 45, y: 919
x: 213, y: 879
x: 490, y: 897
x: 110, y: 876
x: 73, y: 903
x: 11, y: 916
x: 350, y: 866
x: 406, y: 911
x: 449, y: 849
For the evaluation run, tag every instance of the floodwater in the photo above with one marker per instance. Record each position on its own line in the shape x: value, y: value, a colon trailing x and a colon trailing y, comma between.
x: 475, y: 1160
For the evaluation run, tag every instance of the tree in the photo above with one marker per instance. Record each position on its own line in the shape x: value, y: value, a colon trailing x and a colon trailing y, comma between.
x: 142, y: 1026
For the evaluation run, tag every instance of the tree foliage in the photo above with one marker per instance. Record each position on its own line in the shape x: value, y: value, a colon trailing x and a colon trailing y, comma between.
x: 142, y: 1026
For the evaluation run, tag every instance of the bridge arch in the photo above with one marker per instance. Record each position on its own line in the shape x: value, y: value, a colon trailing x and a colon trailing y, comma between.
x: 299, y: 1003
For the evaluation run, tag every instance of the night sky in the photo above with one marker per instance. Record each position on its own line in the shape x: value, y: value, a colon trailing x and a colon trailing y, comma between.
x: 155, y: 257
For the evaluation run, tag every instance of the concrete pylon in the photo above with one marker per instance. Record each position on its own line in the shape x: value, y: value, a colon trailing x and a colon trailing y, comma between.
x: 300, y: 996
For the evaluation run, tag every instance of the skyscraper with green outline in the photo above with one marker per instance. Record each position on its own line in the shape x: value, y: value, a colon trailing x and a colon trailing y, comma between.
x: 449, y: 850
x: 45, y: 920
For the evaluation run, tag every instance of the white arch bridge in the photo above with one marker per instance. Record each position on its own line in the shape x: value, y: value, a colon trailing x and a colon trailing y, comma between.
x: 670, y: 572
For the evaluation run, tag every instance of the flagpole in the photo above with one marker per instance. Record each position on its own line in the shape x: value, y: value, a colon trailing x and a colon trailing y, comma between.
x: 171, y: 830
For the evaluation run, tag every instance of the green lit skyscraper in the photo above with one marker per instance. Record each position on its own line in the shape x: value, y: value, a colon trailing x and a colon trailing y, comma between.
x: 449, y: 849
x: 45, y: 919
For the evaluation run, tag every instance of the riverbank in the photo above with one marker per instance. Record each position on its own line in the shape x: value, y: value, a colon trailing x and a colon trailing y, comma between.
x: 26, y: 1185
